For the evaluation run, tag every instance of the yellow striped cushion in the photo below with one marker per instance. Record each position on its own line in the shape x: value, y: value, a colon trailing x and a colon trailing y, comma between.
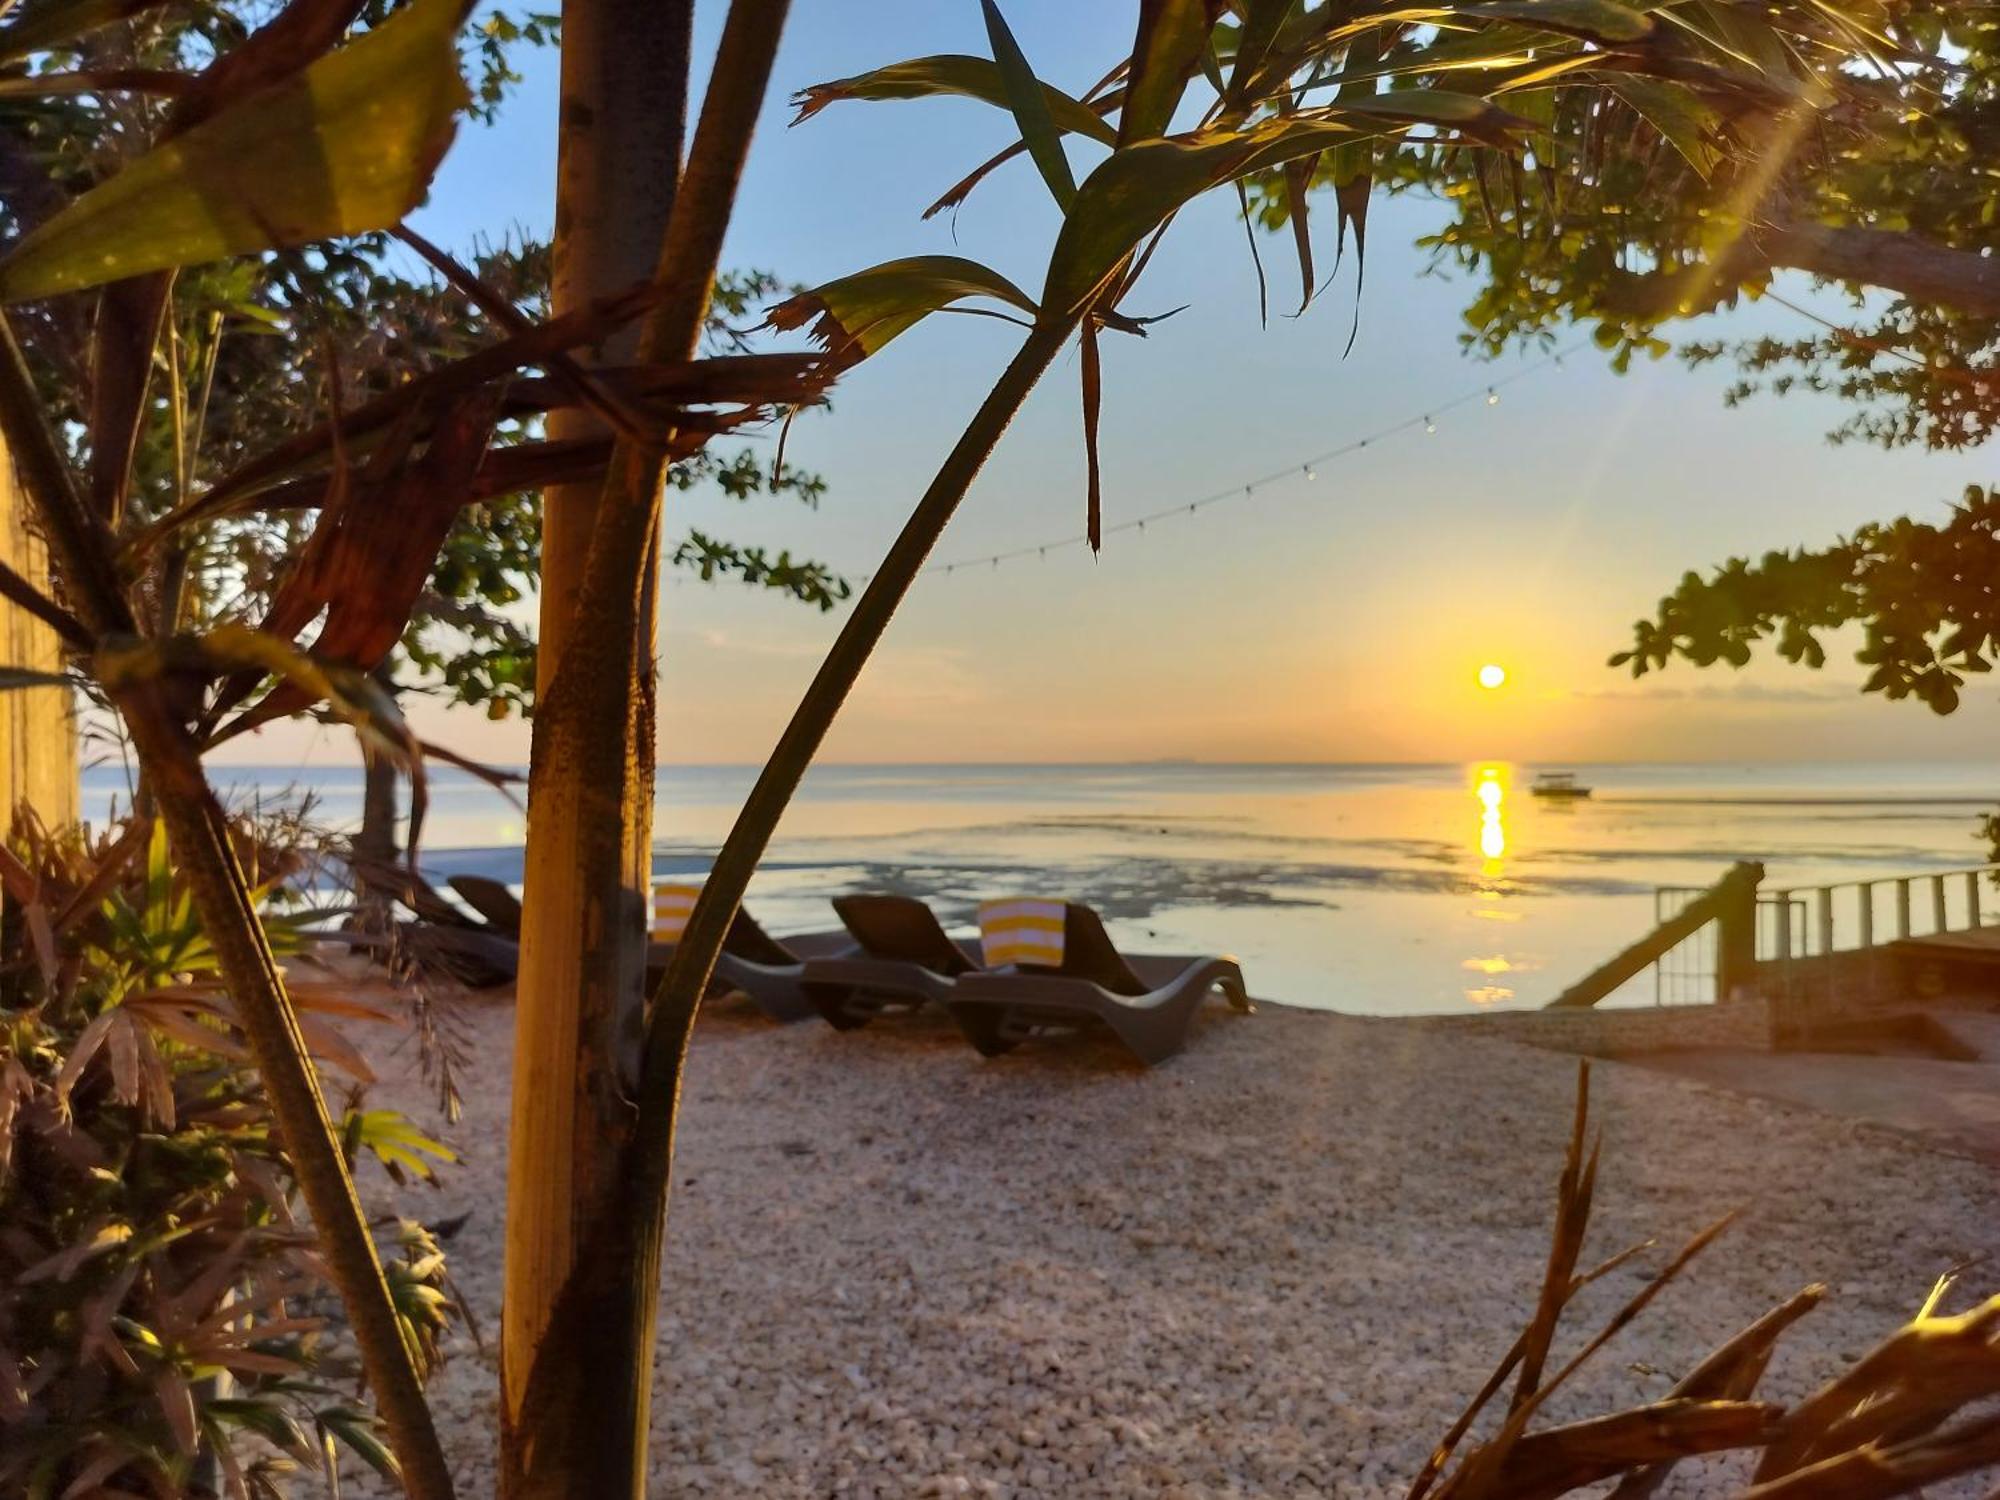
x: 1021, y: 930
x: 671, y: 905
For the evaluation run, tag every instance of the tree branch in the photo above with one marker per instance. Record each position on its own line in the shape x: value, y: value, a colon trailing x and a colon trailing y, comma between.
x: 1909, y: 265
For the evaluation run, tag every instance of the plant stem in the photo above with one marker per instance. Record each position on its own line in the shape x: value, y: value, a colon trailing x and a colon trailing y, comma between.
x: 707, y: 196
x: 679, y: 997
x: 198, y: 830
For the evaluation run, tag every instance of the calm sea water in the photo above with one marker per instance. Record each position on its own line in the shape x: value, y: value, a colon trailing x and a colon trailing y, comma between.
x: 1375, y: 889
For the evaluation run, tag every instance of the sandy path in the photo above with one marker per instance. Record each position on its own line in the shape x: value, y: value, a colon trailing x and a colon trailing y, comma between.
x: 1274, y: 1267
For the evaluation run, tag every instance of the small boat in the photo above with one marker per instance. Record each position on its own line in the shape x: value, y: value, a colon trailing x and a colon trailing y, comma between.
x: 1558, y: 784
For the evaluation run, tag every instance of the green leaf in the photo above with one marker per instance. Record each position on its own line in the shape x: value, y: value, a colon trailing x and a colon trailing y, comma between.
x: 346, y: 146
x: 1353, y: 169
x: 1173, y: 35
x: 266, y: 1418
x: 40, y: 28
x: 1137, y: 187
x: 856, y: 315
x: 1031, y: 110
x: 950, y: 74
x: 1598, y: 20
x: 1677, y: 113
x: 394, y: 1141
x: 356, y: 1431
x: 1262, y: 20
x: 1594, y: 20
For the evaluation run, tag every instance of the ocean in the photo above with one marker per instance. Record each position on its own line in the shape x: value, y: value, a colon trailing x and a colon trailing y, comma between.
x: 1375, y: 889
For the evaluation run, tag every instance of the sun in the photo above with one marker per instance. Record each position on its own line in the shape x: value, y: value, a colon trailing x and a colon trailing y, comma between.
x: 1492, y: 675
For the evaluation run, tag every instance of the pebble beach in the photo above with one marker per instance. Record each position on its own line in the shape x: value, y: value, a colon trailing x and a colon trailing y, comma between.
x: 1276, y: 1266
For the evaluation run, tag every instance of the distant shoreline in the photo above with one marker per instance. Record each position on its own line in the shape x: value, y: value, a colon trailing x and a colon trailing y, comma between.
x: 1696, y: 799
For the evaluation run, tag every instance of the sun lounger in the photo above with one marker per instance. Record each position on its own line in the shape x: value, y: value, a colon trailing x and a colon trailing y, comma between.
x: 906, y: 959
x: 769, y: 970
x: 1147, y: 1002
x: 765, y: 968
x: 443, y: 936
x: 500, y: 907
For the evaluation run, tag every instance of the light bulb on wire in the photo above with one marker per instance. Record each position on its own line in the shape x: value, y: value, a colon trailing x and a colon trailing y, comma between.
x: 1429, y: 425
x: 1492, y: 396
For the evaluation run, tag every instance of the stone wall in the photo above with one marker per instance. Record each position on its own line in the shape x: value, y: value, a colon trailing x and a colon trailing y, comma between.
x: 1738, y: 1025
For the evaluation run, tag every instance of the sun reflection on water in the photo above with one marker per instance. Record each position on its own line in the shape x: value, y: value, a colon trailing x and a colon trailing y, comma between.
x: 1489, y: 787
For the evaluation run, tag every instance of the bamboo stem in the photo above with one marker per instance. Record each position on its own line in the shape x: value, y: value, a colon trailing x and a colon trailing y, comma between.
x: 198, y: 830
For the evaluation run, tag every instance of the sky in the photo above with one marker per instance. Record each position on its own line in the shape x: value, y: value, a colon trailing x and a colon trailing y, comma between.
x: 1341, y: 617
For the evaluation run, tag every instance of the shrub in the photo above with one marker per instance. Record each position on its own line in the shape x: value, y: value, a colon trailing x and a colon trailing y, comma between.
x: 158, y: 1295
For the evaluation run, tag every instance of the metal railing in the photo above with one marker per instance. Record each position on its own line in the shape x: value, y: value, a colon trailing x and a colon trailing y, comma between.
x: 1685, y: 973
x: 1856, y: 915
x: 1819, y: 921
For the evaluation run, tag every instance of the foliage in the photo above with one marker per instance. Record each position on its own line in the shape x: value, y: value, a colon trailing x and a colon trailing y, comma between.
x: 157, y: 1290
x: 389, y: 475
x: 1922, y: 593
x: 1601, y: 98
x: 1646, y: 202
x: 1912, y: 1412
x: 255, y: 341
x: 392, y: 473
x: 292, y: 332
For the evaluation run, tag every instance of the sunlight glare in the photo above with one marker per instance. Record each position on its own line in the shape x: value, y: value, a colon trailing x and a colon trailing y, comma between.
x: 1492, y: 675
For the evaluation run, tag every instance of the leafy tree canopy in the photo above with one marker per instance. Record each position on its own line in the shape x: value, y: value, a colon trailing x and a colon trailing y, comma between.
x: 1927, y: 595
x: 1631, y: 210
x: 254, y: 344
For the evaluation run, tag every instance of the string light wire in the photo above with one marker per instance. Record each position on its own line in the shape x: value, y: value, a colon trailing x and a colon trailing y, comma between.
x: 1425, y: 421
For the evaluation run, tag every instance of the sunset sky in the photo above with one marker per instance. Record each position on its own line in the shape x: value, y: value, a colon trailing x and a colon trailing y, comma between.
x: 1342, y: 618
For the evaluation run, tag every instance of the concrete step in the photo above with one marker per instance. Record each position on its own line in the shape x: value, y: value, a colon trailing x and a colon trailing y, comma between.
x: 1977, y: 1032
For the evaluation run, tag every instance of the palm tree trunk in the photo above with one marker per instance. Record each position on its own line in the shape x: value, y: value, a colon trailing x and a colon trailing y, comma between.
x: 590, y: 794
x: 578, y: 1401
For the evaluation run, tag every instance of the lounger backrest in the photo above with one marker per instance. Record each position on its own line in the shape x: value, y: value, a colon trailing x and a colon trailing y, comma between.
x: 1024, y: 931
x: 901, y: 928
x: 1089, y: 953
x: 400, y: 883
x: 753, y: 944
x: 491, y: 900
x: 673, y: 904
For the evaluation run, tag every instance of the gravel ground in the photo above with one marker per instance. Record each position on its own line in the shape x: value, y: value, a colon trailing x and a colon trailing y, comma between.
x: 1276, y: 1266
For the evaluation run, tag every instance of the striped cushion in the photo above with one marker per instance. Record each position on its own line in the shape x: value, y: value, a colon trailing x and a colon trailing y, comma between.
x: 1021, y: 930
x: 671, y: 906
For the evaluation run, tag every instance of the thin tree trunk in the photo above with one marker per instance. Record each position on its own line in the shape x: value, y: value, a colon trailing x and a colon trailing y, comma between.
x: 376, y: 840
x: 672, y: 1021
x: 198, y: 831
x: 590, y: 795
